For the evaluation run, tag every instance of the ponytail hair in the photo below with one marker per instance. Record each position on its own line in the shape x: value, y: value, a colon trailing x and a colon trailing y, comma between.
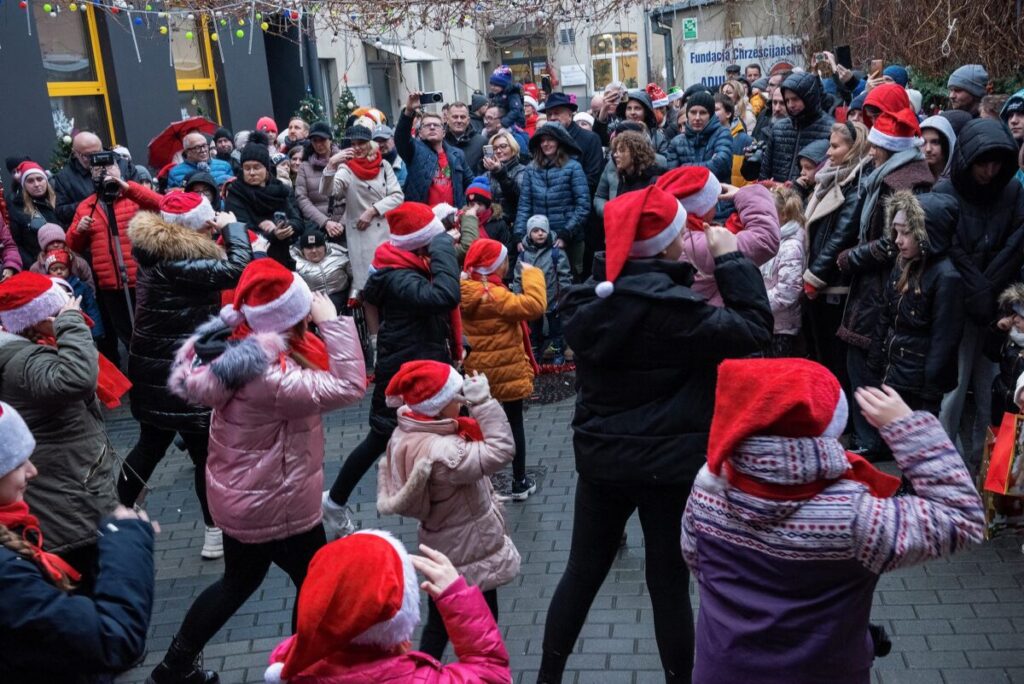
x: 19, y: 545
x: 789, y: 205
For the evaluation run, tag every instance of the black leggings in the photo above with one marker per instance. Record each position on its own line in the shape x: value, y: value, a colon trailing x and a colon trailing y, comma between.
x: 245, y: 567
x: 514, y: 413
x: 598, y: 521
x: 149, y: 451
x: 435, y: 636
x: 358, y: 462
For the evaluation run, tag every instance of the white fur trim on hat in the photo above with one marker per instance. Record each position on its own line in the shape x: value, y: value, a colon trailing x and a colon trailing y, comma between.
x: 282, y: 313
x: 653, y: 246
x: 891, y: 142
x: 701, y: 202
x: 399, y: 628
x: 28, y: 173
x: 495, y: 265
x: 195, y: 219
x: 16, y: 440
x: 433, y: 405
x: 838, y: 423
x: 443, y: 210
x: 420, y: 238
x: 39, y: 309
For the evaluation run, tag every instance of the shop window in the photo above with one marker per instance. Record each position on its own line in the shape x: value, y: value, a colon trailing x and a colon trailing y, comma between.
x: 193, y: 67
x: 615, y: 57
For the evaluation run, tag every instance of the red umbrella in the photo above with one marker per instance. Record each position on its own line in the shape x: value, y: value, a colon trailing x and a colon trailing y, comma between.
x: 163, y: 147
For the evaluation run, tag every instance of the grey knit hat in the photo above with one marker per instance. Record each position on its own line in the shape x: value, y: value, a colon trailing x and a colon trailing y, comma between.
x: 16, y: 441
x: 970, y: 77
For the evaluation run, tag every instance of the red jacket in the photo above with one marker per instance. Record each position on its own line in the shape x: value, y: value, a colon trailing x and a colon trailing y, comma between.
x: 97, y: 240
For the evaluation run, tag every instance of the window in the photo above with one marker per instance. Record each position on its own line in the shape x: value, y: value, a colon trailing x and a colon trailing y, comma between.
x: 74, y: 69
x: 193, y: 67
x: 614, y: 57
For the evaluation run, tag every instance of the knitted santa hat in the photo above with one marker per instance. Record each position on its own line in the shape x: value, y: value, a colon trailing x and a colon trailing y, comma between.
x: 269, y: 298
x: 658, y: 96
x: 187, y: 209
x: 895, y: 131
x: 26, y: 298
x: 485, y: 256
x: 413, y: 225
x: 695, y: 187
x: 16, y: 441
x: 638, y: 224
x: 359, y: 591
x: 426, y: 387
x: 26, y: 170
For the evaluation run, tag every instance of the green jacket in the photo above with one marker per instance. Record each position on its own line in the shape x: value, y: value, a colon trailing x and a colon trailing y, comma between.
x: 54, y: 389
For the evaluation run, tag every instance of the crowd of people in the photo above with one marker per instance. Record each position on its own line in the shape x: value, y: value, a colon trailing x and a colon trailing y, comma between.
x: 726, y: 272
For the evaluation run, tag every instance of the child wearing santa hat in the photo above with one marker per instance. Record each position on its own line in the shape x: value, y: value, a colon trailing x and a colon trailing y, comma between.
x: 268, y: 380
x: 787, y: 533
x: 57, y: 264
x: 437, y: 471
x: 496, y: 324
x: 355, y: 626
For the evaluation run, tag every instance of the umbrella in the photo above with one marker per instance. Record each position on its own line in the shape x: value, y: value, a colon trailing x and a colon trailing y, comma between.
x: 163, y: 147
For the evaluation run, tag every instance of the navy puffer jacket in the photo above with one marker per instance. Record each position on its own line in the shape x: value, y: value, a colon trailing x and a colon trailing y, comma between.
x: 710, y: 148
x: 792, y: 134
x: 559, y: 192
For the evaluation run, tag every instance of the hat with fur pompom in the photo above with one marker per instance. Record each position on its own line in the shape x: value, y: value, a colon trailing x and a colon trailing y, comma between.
x: 27, y: 298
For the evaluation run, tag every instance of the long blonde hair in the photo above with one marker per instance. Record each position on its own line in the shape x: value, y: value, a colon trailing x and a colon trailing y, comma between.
x: 30, y: 201
x: 739, y: 99
x: 858, y: 147
x: 789, y: 205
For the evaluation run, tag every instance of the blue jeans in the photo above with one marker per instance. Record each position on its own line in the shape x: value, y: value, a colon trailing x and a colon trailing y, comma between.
x: 857, y: 368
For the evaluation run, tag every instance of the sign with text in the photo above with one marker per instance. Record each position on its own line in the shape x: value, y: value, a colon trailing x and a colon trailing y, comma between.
x: 690, y: 28
x: 705, y: 62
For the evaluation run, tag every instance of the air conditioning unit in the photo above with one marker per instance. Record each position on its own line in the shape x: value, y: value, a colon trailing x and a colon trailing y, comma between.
x: 566, y: 36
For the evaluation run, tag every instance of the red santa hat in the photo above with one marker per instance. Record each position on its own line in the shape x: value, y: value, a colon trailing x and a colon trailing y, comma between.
x: 638, y: 224
x: 267, y: 125
x: 659, y: 98
x: 413, y: 225
x: 426, y: 387
x: 26, y: 170
x: 895, y: 131
x: 485, y: 256
x: 359, y: 591
x: 26, y: 298
x: 269, y: 298
x: 187, y: 209
x: 695, y: 187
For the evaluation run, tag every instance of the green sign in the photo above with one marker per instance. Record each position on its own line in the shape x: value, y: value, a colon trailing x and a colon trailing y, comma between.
x: 690, y: 28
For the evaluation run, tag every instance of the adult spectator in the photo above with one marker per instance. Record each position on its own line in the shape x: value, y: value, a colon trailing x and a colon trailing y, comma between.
x: 806, y: 122
x: 31, y: 208
x: 505, y: 172
x: 703, y: 140
x: 987, y: 250
x: 263, y: 203
x: 316, y: 207
x: 992, y: 105
x: 732, y: 72
x: 76, y: 180
x: 560, y: 109
x: 967, y: 85
x: 776, y: 111
x: 736, y: 92
x: 197, y: 158
x: 437, y: 170
x: 224, y: 144
x: 181, y: 272
x: 752, y: 73
x: 1013, y: 114
x: 633, y: 166
x: 461, y: 135
x: 939, y: 143
x: 298, y: 131
x: 384, y: 136
x: 636, y: 106
x: 478, y: 104
x: 533, y: 119
x: 726, y: 114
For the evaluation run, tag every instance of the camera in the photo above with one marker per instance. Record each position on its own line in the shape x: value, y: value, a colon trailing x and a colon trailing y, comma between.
x: 108, y: 188
x: 429, y: 98
x: 102, y: 159
x: 280, y: 217
x: 755, y: 151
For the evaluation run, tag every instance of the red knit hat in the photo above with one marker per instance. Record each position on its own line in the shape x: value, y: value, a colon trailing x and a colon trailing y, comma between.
x: 413, y: 225
x: 638, y: 224
x: 188, y: 209
x: 659, y: 98
x: 57, y: 256
x: 26, y: 298
x: 359, y: 591
x: 267, y: 125
x: 269, y: 297
x: 26, y: 170
x: 896, y: 131
x: 426, y: 387
x: 778, y: 397
x: 485, y: 256
x: 695, y: 187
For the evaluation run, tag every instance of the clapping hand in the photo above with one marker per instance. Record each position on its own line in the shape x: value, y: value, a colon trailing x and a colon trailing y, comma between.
x: 881, y: 406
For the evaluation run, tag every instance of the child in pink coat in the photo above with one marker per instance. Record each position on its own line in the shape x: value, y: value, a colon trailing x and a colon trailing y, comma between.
x: 755, y: 222
x: 437, y: 470
x: 354, y: 625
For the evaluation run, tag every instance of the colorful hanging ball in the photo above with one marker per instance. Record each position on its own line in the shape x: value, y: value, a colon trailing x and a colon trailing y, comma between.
x: 115, y: 10
x: 264, y: 26
x: 259, y: 15
x: 241, y: 22
x: 22, y: 4
x: 149, y: 8
x: 189, y: 35
x: 240, y: 33
x: 73, y: 7
x: 138, y: 21
x: 191, y: 17
x: 294, y: 15
x: 47, y: 7
x: 214, y: 37
x: 223, y: 22
x: 163, y: 30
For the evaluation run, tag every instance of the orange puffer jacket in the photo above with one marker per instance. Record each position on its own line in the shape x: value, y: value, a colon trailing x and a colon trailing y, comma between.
x: 97, y: 242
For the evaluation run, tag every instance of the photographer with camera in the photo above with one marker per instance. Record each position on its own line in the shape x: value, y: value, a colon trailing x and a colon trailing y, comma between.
x: 74, y: 183
x: 437, y: 170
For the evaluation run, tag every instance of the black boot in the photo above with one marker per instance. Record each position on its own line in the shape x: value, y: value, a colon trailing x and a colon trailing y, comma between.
x: 179, y: 667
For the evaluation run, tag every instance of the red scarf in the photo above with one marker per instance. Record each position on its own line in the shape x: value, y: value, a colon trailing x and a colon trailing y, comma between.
x: 16, y: 516
x: 880, y: 484
x: 308, y: 351
x: 111, y: 383
x: 469, y: 429
x: 492, y: 279
x: 389, y: 256
x: 365, y: 168
x: 732, y: 224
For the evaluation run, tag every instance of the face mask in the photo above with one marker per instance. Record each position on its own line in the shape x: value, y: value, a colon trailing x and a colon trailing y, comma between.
x: 1017, y: 337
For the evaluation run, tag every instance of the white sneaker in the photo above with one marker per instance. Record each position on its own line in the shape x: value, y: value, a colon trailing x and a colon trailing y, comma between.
x: 337, y: 519
x: 213, y: 544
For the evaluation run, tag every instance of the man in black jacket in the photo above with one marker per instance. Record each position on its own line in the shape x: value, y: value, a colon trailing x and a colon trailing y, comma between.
x: 806, y: 123
x: 462, y: 135
x: 75, y: 181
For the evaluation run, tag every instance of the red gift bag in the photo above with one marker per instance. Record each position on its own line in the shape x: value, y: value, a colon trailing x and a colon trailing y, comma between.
x: 1005, y: 464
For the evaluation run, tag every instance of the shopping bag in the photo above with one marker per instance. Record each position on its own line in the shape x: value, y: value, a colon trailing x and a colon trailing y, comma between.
x: 1006, y: 461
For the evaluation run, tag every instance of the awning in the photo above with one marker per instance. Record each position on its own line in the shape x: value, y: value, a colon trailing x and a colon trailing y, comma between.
x: 405, y: 52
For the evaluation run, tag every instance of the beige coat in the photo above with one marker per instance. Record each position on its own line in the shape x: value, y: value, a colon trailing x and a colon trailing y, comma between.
x: 443, y: 480
x: 384, y: 193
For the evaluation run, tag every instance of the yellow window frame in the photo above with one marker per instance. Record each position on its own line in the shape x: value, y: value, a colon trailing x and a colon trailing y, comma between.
x: 97, y: 87
x: 187, y: 85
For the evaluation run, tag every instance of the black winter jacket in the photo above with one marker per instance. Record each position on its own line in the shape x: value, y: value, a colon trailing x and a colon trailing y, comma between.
x: 790, y: 135
x: 988, y: 248
x: 591, y: 156
x: 1011, y: 366
x: 415, y: 312
x: 25, y: 228
x: 179, y: 279
x: 918, y: 334
x: 252, y: 205
x: 832, y: 226
x: 51, y: 637
x: 646, y: 365
x: 506, y: 183
x: 472, y: 145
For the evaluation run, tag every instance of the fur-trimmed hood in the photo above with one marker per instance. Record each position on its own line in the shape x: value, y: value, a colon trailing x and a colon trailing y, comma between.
x: 1012, y: 299
x: 906, y: 201
x: 932, y: 218
x: 155, y: 240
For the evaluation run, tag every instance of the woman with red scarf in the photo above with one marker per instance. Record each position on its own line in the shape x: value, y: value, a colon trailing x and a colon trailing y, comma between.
x: 356, y: 178
x: 49, y: 633
x: 268, y: 379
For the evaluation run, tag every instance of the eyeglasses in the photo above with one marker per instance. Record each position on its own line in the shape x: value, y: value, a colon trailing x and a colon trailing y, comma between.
x: 196, y: 148
x: 502, y: 146
x: 428, y: 126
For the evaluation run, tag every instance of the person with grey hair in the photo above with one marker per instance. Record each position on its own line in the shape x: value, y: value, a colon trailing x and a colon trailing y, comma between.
x: 967, y: 85
x: 196, y: 153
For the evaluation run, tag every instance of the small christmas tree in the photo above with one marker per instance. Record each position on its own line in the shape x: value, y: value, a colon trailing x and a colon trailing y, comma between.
x: 346, y: 105
x: 311, y: 109
x: 65, y: 129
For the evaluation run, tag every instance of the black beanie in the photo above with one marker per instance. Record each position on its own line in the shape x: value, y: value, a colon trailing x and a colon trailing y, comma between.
x: 256, y: 150
x: 701, y: 98
x: 222, y: 133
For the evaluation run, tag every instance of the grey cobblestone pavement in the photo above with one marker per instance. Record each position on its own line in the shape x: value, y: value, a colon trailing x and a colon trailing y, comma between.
x: 957, y: 621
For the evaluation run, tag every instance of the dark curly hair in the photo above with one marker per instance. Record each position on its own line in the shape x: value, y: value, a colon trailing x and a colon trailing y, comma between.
x: 641, y: 152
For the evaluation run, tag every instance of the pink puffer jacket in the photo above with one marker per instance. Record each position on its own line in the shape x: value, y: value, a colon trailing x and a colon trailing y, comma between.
x: 264, y: 473
x: 758, y: 241
x: 432, y: 474
x: 474, y: 634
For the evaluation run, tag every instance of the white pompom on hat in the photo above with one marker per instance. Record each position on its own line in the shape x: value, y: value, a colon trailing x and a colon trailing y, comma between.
x: 269, y: 298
